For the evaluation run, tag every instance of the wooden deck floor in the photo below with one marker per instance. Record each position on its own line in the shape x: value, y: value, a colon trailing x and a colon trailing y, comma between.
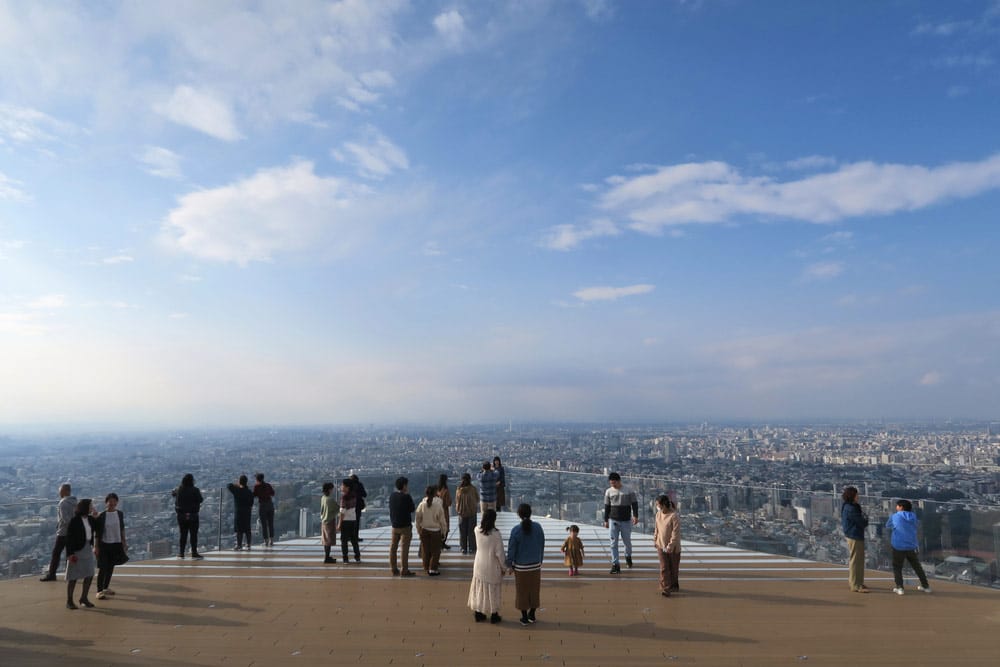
x: 283, y: 606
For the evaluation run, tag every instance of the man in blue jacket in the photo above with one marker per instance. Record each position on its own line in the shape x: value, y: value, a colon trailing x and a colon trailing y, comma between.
x: 904, y: 545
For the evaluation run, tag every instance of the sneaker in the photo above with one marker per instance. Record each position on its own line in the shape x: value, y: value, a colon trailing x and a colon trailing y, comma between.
x: 70, y: 605
x: 197, y: 557
x: 408, y: 573
x: 238, y: 548
x: 433, y: 573
x: 495, y: 618
x: 48, y: 577
x: 108, y: 591
x: 615, y: 569
x: 628, y: 561
x: 479, y: 616
x: 525, y: 621
x: 101, y: 595
x: 898, y: 590
x: 180, y: 557
x: 665, y: 594
x: 87, y: 603
x: 925, y: 589
x: 531, y: 616
x: 329, y: 559
x: 395, y: 572
x: 446, y: 546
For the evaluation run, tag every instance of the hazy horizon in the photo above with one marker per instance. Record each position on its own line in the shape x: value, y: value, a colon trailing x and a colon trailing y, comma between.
x: 230, y: 215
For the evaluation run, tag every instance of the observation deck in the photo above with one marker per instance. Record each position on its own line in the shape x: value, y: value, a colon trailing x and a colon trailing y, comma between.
x: 283, y: 606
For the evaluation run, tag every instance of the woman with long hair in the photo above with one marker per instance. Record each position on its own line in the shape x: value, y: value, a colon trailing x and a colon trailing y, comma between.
x: 667, y: 539
x: 854, y: 521
x: 487, y: 570
x: 501, y: 474
x: 525, y: 552
x: 80, y: 550
x: 466, y: 506
x: 430, y: 526
x: 445, y: 495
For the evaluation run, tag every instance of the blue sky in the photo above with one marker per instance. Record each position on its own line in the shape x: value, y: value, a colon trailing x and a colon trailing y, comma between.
x: 240, y: 213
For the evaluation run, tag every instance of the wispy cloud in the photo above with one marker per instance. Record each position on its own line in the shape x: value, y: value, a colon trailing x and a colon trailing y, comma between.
x: 375, y: 156
x: 823, y: 270
x: 567, y: 237
x: 48, y: 302
x: 931, y: 378
x: 23, y: 125
x: 161, y: 162
x: 118, y: 259
x: 713, y: 192
x: 201, y: 110
x: 283, y: 209
x: 811, y: 162
x: 11, y: 189
x: 839, y: 237
x: 451, y: 26
x: 611, y: 293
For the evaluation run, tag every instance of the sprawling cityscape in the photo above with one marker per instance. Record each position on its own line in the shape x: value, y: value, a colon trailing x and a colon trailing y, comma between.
x: 771, y: 488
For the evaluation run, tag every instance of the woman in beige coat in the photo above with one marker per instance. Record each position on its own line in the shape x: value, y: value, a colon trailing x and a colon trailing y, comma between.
x: 487, y: 570
x: 431, y: 525
x: 667, y: 538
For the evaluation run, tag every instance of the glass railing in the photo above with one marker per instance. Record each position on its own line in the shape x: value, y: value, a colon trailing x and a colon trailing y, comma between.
x: 958, y: 541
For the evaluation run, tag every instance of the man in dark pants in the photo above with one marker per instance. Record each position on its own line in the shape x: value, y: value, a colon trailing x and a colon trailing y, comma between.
x: 66, y: 510
x: 401, y: 510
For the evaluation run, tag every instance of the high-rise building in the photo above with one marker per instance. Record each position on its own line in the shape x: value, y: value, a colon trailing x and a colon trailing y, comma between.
x: 303, y: 522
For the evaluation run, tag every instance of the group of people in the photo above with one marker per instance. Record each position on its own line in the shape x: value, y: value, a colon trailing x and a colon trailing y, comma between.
x: 343, y: 516
x: 94, y: 544
x: 903, y: 542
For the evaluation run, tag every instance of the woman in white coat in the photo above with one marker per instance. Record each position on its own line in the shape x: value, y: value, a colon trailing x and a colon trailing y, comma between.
x: 487, y: 570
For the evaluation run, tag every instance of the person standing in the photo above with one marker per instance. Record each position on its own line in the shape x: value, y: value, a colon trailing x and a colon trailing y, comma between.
x: 264, y: 493
x: 64, y: 514
x: 573, y: 550
x: 362, y: 495
x: 430, y: 524
x: 80, y: 553
x: 445, y: 495
x: 187, y: 504
x: 349, y: 513
x: 904, y: 546
x: 488, y: 487
x: 525, y: 553
x: 621, y: 512
x: 329, y: 512
x: 243, y: 506
x: 466, y: 505
x: 854, y: 522
x: 501, y: 473
x: 667, y: 539
x: 487, y: 570
x: 111, y: 545
x: 401, y: 511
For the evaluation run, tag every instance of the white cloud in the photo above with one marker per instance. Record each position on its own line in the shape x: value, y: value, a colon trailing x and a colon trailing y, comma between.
x: 714, y: 192
x: 811, y: 162
x: 930, y: 379
x: 838, y: 237
x: 451, y: 26
x: 10, y: 189
x: 611, y: 293
x: 118, y: 259
x: 48, y: 302
x: 22, y: 125
x: 823, y: 270
x: 375, y: 156
x: 567, y: 237
x: 202, y: 111
x: 283, y: 209
x: 161, y: 162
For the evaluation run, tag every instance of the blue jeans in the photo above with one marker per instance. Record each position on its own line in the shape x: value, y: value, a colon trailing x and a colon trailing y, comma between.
x: 623, y: 528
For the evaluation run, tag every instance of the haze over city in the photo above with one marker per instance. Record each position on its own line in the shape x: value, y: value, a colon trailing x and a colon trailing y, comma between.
x: 236, y: 214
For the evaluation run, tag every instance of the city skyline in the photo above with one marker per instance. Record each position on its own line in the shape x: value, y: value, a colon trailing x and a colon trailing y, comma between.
x: 233, y: 215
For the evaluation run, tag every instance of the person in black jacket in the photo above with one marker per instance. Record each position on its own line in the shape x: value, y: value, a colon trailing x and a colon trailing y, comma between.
x: 854, y: 521
x: 243, y: 504
x: 111, y: 544
x: 80, y: 549
x: 187, y: 503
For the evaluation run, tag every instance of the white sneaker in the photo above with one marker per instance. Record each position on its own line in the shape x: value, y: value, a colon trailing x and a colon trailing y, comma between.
x: 897, y: 591
x: 108, y: 591
x: 100, y: 596
x: 925, y: 589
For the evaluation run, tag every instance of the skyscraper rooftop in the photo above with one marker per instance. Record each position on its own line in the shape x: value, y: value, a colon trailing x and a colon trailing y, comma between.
x: 284, y: 606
